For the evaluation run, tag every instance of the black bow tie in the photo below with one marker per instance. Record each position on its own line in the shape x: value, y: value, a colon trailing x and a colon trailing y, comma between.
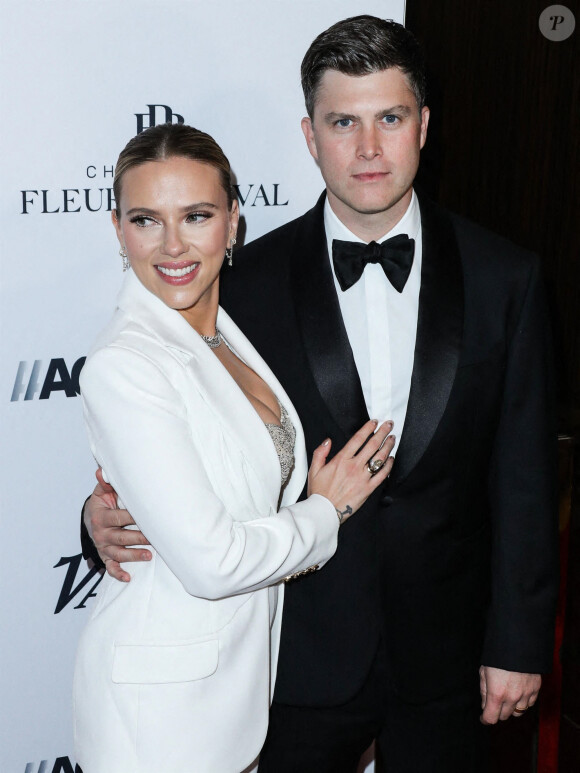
x: 395, y: 256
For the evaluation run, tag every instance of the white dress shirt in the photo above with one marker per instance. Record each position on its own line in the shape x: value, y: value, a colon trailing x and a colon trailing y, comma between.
x: 381, y: 323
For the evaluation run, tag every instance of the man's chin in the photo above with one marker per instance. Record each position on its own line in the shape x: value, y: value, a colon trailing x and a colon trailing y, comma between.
x: 376, y: 208
x: 378, y: 205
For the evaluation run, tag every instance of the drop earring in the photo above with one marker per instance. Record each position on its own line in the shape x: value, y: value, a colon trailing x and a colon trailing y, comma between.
x: 126, y: 264
x: 230, y: 252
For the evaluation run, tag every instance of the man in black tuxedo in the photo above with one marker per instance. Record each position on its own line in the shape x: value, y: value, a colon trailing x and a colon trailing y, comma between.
x: 444, y: 585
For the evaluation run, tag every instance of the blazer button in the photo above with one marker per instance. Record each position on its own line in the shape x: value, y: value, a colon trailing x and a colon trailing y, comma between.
x: 386, y: 500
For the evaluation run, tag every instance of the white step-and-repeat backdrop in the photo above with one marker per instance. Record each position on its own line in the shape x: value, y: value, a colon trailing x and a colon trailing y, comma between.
x: 79, y: 78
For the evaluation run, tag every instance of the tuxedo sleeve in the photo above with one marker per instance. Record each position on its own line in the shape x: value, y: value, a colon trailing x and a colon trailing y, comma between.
x: 523, y: 500
x: 87, y: 545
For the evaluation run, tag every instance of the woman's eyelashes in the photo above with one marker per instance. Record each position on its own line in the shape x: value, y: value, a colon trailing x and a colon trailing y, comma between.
x: 198, y: 217
x: 142, y: 221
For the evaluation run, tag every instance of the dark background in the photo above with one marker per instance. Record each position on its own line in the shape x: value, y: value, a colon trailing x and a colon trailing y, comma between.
x: 503, y: 151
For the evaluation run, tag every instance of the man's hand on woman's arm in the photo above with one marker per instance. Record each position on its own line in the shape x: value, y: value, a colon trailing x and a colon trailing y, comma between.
x: 105, y: 525
x: 346, y: 481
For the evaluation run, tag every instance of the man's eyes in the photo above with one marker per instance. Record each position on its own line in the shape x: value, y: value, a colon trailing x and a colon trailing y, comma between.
x: 390, y: 120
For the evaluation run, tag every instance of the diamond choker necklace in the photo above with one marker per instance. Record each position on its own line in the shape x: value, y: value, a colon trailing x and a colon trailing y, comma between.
x: 214, y: 341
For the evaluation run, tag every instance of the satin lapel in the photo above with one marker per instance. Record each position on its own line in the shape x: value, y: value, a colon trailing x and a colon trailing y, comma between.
x: 320, y: 322
x: 439, y: 335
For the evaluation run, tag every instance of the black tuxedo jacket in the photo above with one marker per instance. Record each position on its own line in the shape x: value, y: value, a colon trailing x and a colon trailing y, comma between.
x: 454, y: 561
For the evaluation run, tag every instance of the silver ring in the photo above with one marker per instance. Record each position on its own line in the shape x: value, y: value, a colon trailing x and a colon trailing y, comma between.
x: 374, y: 465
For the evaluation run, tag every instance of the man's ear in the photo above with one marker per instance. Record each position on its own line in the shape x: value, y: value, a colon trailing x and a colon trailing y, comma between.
x: 424, y: 123
x: 306, y: 124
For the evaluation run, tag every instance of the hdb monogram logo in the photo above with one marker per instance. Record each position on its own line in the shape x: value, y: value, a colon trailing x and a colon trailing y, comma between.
x: 147, y: 120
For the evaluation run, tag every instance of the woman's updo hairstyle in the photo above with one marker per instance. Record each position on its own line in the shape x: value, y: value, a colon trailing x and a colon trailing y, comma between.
x: 166, y: 141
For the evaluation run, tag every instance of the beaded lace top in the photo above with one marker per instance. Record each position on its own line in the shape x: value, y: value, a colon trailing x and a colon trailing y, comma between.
x: 283, y: 436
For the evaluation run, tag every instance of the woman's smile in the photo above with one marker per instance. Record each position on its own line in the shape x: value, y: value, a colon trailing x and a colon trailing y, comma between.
x: 177, y: 273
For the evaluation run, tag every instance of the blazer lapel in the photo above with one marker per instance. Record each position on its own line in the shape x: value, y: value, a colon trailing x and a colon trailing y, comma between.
x: 250, y: 356
x: 220, y: 391
x: 321, y: 326
x: 439, y: 336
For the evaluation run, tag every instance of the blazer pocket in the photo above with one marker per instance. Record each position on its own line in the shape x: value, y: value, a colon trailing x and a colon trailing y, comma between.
x: 164, y: 663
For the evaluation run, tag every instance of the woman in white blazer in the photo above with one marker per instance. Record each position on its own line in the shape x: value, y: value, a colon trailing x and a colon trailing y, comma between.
x: 175, y: 669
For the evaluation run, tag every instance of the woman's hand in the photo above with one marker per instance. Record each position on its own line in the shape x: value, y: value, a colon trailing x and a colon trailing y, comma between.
x: 347, y: 480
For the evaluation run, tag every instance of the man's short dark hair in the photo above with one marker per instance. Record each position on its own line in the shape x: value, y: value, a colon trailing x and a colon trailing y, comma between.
x: 361, y: 45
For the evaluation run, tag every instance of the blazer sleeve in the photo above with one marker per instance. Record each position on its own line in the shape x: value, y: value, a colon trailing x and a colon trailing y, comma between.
x: 140, y: 434
x: 523, y: 498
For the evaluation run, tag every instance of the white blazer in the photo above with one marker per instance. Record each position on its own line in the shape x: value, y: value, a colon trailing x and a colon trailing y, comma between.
x: 175, y: 669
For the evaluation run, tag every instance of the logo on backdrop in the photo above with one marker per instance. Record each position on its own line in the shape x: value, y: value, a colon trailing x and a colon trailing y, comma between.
x: 157, y: 114
x: 63, y: 201
x: 33, y: 379
x: 60, y: 765
x: 264, y: 195
x: 73, y: 583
